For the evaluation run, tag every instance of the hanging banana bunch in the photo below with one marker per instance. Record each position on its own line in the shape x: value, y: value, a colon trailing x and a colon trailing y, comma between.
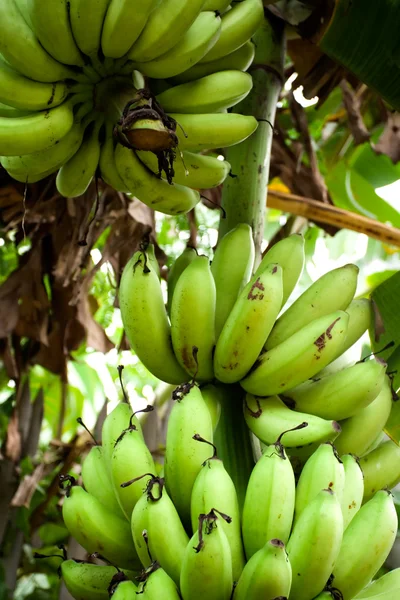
x: 129, y: 90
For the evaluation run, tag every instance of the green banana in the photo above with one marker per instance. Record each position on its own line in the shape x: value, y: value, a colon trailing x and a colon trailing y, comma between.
x: 208, y: 94
x: 139, y: 525
x: 97, y: 529
x: 207, y: 563
x: 248, y: 325
x: 130, y: 459
x: 381, y: 468
x: 176, y: 270
x: 220, y: 5
x: 214, y: 487
x: 12, y: 113
x: 97, y: 482
x: 77, y: 173
x: 239, y: 59
x: 314, y: 545
x: 145, y: 319
x: 231, y: 268
x: 86, y: 581
x: 114, y: 424
x: 193, y: 319
x: 267, y: 575
x: 332, y: 292
x: 23, y: 93
x: 24, y: 177
x: 123, y: 23
x: 238, y: 26
x: 288, y: 254
x: 197, y: 171
x: 299, y: 357
x: 390, y: 582
x: 270, y: 499
x: 323, y: 470
x: 366, y: 544
x: 29, y: 165
x: 213, y: 397
x: 53, y: 30
x: 269, y: 417
x: 193, y: 45
x: 159, y: 585
x: 107, y: 166
x: 358, y: 432
x: 171, y: 199
x: 22, y: 50
x: 183, y: 455
x: 343, y: 394
x: 353, y: 490
x: 168, y: 16
x: 125, y: 590
x: 87, y: 17
x: 215, y: 130
x: 38, y: 131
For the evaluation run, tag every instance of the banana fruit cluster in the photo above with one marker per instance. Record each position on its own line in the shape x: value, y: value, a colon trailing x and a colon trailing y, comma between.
x: 131, y: 90
x: 182, y: 534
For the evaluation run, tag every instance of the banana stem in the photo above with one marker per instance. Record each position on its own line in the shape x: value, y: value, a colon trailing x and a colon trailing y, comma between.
x: 243, y: 196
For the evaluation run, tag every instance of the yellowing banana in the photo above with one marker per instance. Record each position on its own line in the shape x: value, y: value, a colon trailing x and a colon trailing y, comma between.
x: 388, y: 583
x: 299, y: 357
x: 331, y: 292
x: 231, y: 268
x: 381, y: 468
x: 269, y: 417
x: 213, y: 396
x: 171, y: 199
x: 193, y: 318
x: 353, y: 490
x: 248, y: 325
x: 145, y: 319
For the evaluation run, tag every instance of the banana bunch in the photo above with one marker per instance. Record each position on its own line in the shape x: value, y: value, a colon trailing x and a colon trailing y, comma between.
x: 110, y: 88
x: 323, y: 534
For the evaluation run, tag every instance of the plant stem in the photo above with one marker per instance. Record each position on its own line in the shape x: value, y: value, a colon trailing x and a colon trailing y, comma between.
x: 244, y: 193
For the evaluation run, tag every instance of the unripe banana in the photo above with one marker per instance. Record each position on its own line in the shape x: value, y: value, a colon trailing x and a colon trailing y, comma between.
x: 213, y: 397
x: 220, y: 5
x: 215, y: 130
x: 86, y: 581
x: 299, y: 357
x: 353, y: 490
x: 388, y: 583
x: 166, y: 535
x: 239, y: 59
x: 123, y: 23
x: 314, y: 545
x: 270, y: 500
x: 145, y: 319
x: 159, y: 585
x: 197, y: 171
x: 125, y: 590
x: 183, y: 455
x: 87, y: 17
x: 381, y: 468
x: 323, y: 470
x: 114, y: 424
x: 38, y: 131
x: 288, y: 254
x: 214, y: 486
x: 176, y: 270
x: 97, y: 482
x: 192, y: 46
x: 248, y: 325
x: 158, y: 194
x: 366, y: 544
x: 99, y: 530
x: 139, y: 525
x: 107, y: 166
x: 130, y: 459
x: 193, y: 319
x: 208, y: 94
x: 238, y: 26
x: 267, y: 575
x: 25, y: 94
x: 359, y: 432
x: 207, y: 563
x: 269, y: 417
x: 231, y: 268
x: 343, y: 394
x: 360, y: 318
x: 24, y: 177
x: 75, y: 176
x: 332, y: 292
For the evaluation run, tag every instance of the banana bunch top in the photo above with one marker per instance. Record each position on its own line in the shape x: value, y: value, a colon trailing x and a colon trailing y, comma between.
x: 134, y: 90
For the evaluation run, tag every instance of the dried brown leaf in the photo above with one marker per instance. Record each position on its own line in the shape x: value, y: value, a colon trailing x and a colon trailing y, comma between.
x: 355, y: 120
x: 27, y: 487
x: 389, y: 142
